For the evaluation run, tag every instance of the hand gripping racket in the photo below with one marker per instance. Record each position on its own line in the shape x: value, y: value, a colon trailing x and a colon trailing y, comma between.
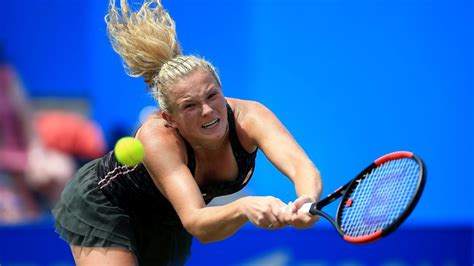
x: 377, y: 200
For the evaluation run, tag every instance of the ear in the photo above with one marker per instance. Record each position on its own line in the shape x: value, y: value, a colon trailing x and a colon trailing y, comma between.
x: 169, y: 119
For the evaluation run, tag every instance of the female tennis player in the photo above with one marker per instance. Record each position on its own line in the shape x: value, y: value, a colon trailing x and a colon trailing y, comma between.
x: 200, y: 145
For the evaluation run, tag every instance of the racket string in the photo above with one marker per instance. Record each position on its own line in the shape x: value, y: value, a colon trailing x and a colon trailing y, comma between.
x: 380, y: 197
x: 375, y: 210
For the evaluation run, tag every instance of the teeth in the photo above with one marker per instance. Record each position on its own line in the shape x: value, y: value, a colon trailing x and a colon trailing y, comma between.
x: 213, y: 122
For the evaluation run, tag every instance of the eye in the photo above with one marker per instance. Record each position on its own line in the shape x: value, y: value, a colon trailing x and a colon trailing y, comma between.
x: 188, y: 106
x: 212, y: 95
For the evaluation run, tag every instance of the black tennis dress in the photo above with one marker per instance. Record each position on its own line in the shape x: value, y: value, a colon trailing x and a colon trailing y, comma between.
x: 107, y: 204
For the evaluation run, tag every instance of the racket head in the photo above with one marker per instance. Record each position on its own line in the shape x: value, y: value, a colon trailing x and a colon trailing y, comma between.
x: 381, y: 197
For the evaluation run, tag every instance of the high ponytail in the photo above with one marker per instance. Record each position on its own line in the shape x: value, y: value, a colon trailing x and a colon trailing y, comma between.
x: 145, y: 39
x: 147, y: 42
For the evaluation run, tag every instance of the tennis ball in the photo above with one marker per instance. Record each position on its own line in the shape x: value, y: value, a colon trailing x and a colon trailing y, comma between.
x: 129, y: 151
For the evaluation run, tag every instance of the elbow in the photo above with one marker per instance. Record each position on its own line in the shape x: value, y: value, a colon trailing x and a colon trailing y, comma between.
x: 201, y: 235
x: 205, y: 239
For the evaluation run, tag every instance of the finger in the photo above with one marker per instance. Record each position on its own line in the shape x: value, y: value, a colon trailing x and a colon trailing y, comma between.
x: 284, y: 209
x: 278, y: 209
x: 272, y: 220
x: 288, y: 208
x: 279, y: 202
x: 285, y: 214
x: 305, y: 221
x: 279, y: 213
x: 292, y: 207
x: 273, y: 223
x: 302, y: 200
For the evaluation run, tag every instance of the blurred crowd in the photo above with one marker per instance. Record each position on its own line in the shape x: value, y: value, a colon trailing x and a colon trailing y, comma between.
x: 39, y: 150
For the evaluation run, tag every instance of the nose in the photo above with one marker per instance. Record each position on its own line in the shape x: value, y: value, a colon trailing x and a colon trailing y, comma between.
x: 206, y: 109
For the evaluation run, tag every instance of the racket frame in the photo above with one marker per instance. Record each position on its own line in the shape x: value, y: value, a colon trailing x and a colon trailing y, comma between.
x: 344, y: 192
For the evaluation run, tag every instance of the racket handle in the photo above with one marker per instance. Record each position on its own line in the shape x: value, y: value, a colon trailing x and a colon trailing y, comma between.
x: 306, y: 208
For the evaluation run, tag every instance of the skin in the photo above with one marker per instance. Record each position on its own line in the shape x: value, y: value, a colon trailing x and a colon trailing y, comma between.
x: 197, y: 100
x: 84, y: 256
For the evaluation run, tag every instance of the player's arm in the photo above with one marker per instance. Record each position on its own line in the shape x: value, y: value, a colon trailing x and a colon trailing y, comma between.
x: 271, y: 136
x: 165, y: 161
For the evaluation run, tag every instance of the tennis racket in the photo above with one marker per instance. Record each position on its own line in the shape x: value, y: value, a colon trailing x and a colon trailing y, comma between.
x: 377, y: 200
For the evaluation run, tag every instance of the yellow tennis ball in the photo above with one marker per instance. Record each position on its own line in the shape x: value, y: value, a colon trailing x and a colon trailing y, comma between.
x: 129, y: 151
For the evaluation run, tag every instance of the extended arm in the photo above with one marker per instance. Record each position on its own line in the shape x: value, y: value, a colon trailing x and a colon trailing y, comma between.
x: 269, y: 134
x: 176, y: 183
x: 283, y: 151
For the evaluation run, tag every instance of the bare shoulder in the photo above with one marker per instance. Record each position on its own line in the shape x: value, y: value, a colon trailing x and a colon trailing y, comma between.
x: 156, y: 136
x: 247, y: 114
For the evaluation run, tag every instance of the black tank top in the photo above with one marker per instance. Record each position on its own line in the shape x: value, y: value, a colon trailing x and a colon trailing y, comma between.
x: 132, y: 188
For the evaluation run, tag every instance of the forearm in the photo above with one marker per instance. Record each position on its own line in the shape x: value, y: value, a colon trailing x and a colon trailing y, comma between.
x: 308, y: 182
x: 215, y: 223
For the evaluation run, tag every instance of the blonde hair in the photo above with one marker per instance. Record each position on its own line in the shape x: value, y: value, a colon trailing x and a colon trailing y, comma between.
x: 147, y: 42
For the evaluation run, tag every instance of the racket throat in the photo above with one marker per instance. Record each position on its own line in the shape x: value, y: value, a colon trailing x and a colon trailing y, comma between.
x: 329, y: 218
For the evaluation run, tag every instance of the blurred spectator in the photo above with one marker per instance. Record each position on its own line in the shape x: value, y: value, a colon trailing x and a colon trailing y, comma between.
x: 16, y: 201
x: 37, y: 151
x: 70, y: 133
x: 63, y: 135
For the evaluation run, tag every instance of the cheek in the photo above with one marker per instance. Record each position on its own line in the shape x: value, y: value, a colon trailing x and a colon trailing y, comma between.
x: 224, y: 106
x: 220, y: 103
x: 189, y: 117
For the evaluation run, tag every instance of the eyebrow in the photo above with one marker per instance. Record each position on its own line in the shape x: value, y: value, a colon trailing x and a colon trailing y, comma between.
x: 211, y: 88
x: 185, y: 101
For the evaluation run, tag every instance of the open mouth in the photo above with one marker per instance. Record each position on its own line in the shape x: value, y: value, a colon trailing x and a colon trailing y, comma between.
x: 211, y: 124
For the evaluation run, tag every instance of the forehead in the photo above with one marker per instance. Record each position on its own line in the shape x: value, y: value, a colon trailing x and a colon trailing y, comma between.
x: 194, y: 84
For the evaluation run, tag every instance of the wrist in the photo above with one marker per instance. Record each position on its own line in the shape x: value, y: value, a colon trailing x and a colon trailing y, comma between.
x: 242, y: 204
